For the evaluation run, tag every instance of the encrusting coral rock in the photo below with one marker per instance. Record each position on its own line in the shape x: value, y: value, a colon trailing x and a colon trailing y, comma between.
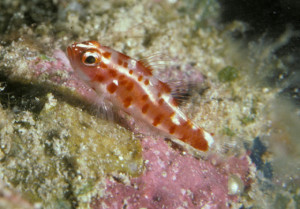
x: 173, y: 180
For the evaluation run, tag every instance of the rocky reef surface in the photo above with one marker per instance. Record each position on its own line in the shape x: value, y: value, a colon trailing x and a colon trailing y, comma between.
x: 59, y: 149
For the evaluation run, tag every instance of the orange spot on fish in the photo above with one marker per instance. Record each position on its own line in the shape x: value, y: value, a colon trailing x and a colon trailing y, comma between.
x: 125, y: 64
x: 145, y: 108
x: 140, y: 78
x: 127, y: 102
x: 120, y: 62
x: 130, y: 72
x: 157, y: 120
x: 99, y: 78
x: 146, y: 82
x: 121, y: 77
x: 113, y: 73
x: 145, y: 97
x: 111, y: 88
x: 130, y: 86
x: 123, y: 82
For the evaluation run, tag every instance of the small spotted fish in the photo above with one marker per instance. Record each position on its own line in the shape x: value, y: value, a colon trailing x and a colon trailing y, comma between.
x: 129, y: 85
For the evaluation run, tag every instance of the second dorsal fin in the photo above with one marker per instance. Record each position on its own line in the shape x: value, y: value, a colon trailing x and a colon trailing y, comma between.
x: 181, y: 91
x: 156, y: 61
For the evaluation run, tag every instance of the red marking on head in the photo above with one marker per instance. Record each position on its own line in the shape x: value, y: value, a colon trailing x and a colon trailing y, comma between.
x: 130, y: 72
x: 161, y: 101
x: 113, y: 73
x: 157, y: 120
x: 103, y: 65
x: 125, y: 64
x: 99, y: 78
x: 140, y: 78
x: 127, y: 102
x: 165, y: 87
x: 130, y: 86
x: 111, y: 88
x: 107, y: 55
x: 145, y: 108
x: 146, y: 82
x: 172, y: 129
x: 145, y: 97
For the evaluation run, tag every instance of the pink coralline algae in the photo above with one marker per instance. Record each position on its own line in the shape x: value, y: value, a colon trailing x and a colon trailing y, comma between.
x: 173, y: 180
x: 57, y: 71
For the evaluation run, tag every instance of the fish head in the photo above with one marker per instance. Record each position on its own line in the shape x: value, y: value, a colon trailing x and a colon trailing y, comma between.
x: 85, y: 58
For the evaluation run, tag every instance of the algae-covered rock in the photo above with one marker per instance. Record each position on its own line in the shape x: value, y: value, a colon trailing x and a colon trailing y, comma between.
x: 62, y: 154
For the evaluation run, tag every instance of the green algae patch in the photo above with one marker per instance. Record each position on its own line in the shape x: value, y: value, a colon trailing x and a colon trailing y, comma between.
x: 228, y: 74
x: 62, y: 156
x: 45, y: 57
x: 228, y: 132
x: 246, y: 120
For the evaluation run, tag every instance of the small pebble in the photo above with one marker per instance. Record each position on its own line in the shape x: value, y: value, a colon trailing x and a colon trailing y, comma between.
x: 235, y: 185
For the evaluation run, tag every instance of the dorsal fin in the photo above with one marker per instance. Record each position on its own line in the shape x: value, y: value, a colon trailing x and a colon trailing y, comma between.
x: 146, y: 66
x: 155, y: 61
x: 181, y: 91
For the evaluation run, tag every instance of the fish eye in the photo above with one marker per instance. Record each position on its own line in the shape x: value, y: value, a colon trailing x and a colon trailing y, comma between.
x: 91, y: 58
